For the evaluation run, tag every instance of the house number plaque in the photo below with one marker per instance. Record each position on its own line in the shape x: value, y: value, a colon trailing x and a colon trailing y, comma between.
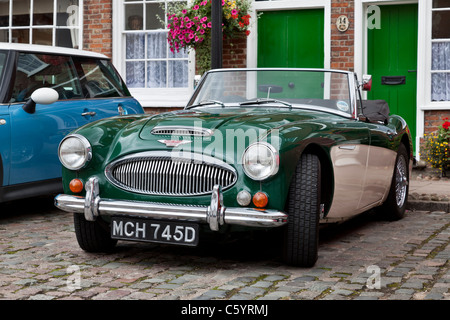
x: 342, y: 23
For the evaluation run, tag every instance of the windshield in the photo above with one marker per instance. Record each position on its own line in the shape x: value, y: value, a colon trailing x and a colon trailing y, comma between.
x: 281, y: 88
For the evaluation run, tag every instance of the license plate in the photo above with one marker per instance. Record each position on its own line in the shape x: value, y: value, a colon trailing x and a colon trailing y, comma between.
x: 181, y: 233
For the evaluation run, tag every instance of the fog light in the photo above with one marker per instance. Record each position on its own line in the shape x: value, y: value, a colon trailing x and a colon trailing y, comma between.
x: 76, y: 185
x: 260, y: 199
x: 244, y: 198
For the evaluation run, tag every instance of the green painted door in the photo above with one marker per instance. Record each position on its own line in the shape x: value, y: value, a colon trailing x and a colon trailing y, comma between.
x: 392, y: 60
x: 291, y: 39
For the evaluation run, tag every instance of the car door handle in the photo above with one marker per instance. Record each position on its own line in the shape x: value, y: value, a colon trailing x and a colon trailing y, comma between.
x: 89, y: 113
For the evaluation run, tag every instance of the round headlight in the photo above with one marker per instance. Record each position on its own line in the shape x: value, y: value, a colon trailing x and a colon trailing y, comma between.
x: 260, y: 161
x: 74, y: 152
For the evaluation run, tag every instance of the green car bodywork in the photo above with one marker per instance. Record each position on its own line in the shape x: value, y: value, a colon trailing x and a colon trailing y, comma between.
x: 298, y: 130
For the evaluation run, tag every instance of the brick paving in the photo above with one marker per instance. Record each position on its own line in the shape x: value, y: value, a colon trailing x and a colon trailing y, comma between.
x: 362, y: 259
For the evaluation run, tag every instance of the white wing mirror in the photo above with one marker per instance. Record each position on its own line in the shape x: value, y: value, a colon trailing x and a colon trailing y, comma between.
x: 41, y: 96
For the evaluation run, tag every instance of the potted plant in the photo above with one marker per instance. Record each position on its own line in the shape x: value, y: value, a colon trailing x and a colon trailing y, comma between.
x: 436, y: 147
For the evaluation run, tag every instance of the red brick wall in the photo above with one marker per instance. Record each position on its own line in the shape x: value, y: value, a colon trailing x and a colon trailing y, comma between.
x: 234, y: 53
x: 434, y: 118
x: 342, y: 43
x: 97, y: 26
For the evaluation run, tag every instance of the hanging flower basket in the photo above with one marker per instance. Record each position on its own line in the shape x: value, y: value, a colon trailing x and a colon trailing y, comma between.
x: 190, y: 27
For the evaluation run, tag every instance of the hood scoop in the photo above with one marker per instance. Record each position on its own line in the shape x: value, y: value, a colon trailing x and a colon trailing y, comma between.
x: 182, y: 131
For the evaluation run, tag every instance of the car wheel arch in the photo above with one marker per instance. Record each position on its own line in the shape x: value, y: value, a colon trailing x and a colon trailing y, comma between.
x: 327, y: 175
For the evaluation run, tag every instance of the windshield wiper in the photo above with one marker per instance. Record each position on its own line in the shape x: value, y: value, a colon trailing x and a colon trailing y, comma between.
x: 261, y: 101
x: 205, y: 103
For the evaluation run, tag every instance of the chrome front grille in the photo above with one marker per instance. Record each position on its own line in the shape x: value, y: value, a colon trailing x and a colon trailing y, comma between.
x: 160, y: 173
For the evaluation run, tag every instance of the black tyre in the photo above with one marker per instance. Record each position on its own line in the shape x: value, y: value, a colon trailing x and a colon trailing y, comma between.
x: 395, y: 204
x: 301, y: 234
x: 93, y: 236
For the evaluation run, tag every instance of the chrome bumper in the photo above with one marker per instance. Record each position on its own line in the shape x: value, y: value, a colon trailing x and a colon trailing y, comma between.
x: 92, y: 206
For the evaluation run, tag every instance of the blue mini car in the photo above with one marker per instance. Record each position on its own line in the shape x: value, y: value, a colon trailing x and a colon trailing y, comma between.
x: 45, y: 93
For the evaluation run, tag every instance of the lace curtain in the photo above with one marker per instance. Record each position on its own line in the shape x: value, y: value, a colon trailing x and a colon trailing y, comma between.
x: 164, y: 68
x: 440, y: 82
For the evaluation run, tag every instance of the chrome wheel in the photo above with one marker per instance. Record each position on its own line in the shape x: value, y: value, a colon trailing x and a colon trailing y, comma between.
x: 401, y: 181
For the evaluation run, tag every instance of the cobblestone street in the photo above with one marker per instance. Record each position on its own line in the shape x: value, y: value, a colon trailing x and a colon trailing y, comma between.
x: 365, y: 258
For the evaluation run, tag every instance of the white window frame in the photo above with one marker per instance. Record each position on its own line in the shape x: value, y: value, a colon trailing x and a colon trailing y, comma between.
x: 148, y: 97
x: 54, y: 27
x: 429, y: 104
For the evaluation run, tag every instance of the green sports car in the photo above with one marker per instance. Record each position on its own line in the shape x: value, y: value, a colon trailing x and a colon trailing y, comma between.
x: 253, y: 148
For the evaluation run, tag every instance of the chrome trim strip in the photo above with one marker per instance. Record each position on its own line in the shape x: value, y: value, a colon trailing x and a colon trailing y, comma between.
x: 347, y: 147
x: 182, y: 131
x: 215, y: 214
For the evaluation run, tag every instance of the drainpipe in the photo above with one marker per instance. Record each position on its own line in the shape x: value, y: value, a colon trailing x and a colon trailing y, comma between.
x: 216, y: 34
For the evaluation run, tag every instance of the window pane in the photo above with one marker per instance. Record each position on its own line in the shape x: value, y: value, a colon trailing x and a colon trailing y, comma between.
x: 135, y: 46
x: 150, y: 47
x: 4, y: 14
x: 135, y: 74
x: 99, y: 78
x: 21, y: 13
x: 133, y: 17
x: 43, y: 13
x: 440, y: 87
x: 21, y: 36
x: 67, y: 13
x: 441, y: 3
x: 42, y: 36
x: 36, y: 71
x: 154, y: 13
x: 157, y: 45
x: 441, y: 24
x: 156, y: 74
x: 440, y: 56
x: 182, y: 54
x: 4, y: 36
x: 178, y: 74
x: 2, y: 62
x: 66, y: 38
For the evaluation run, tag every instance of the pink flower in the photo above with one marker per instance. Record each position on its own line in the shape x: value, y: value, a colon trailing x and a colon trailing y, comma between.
x: 196, y: 7
x: 234, y: 12
x: 209, y: 24
x: 184, y: 11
